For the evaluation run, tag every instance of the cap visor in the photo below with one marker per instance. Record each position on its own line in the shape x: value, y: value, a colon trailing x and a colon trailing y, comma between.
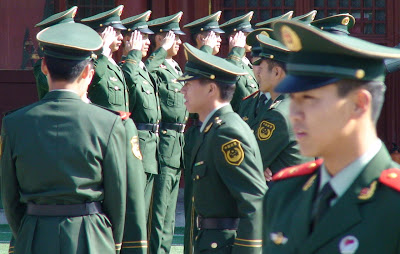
x: 187, y: 77
x: 179, y: 32
x: 217, y: 30
x: 247, y: 30
x: 293, y: 83
x: 146, y: 31
x: 119, y: 26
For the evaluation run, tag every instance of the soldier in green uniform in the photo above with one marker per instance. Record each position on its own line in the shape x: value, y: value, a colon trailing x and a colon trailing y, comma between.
x: 268, y: 23
x: 63, y: 194
x: 205, y: 32
x: 143, y: 95
x: 269, y: 117
x: 58, y: 18
x: 347, y: 201
x: 174, y: 115
x: 229, y: 186
x: 237, y: 29
x: 337, y: 24
x: 108, y: 87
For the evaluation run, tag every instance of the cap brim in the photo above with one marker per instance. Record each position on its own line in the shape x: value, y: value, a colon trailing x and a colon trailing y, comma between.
x: 118, y: 26
x: 187, y: 77
x: 217, y: 30
x: 247, y: 30
x: 146, y: 31
x: 179, y: 32
x: 295, y: 83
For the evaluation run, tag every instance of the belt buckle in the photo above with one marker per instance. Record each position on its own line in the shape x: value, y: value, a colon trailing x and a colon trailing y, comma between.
x: 198, y: 222
x: 156, y: 128
x: 182, y: 127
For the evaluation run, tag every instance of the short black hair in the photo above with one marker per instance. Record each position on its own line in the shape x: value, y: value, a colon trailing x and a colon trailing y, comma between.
x: 274, y: 63
x: 65, y: 70
x: 375, y: 88
x: 226, y: 90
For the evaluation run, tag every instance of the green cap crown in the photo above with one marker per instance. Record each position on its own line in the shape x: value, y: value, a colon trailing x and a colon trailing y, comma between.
x: 209, y: 23
x: 203, y: 65
x: 268, y: 22
x: 70, y: 41
x: 306, y: 18
x: 169, y: 23
x: 107, y: 18
x: 272, y: 49
x: 337, y: 23
x: 251, y: 40
x: 138, y: 22
x: 58, y: 18
x: 325, y: 56
x: 241, y: 23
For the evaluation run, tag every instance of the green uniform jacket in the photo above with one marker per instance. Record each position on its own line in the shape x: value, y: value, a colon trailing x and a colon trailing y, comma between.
x: 144, y: 106
x: 135, y: 234
x: 245, y: 85
x: 366, y: 215
x: 274, y: 133
x: 229, y: 182
x: 72, y: 153
x: 41, y: 79
x: 173, y: 109
x: 108, y: 87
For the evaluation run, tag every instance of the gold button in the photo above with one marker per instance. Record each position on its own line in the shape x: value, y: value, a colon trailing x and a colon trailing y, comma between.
x: 193, y: 199
x: 127, y: 104
x: 116, y: 88
x: 214, y: 245
x: 164, y: 132
x: 392, y: 175
x: 197, y: 177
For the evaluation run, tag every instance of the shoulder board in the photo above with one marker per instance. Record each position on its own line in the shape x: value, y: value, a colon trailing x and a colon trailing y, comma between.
x: 122, y: 114
x: 218, y: 121
x: 298, y: 170
x: 391, y: 178
x: 245, y: 98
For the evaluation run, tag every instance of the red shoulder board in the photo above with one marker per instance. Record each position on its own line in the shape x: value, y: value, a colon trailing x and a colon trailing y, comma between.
x: 391, y: 177
x: 123, y: 61
x: 298, y: 170
x: 245, y: 98
x: 124, y: 115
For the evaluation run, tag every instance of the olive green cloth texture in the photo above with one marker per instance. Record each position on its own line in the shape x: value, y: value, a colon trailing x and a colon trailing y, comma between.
x: 165, y: 24
x: 228, y: 183
x: 58, y: 18
x: 135, y: 234
x: 273, y: 132
x: 241, y: 23
x: 370, y: 220
x: 42, y: 164
x: 144, y: 105
x: 208, y: 23
x: 138, y: 22
x: 41, y: 80
x: 246, y: 84
x: 107, y: 18
x: 108, y: 87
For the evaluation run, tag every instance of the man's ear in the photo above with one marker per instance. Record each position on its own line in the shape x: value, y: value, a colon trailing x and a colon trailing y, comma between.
x: 362, y: 101
x: 87, y: 72
x: 199, y: 38
x: 44, y: 68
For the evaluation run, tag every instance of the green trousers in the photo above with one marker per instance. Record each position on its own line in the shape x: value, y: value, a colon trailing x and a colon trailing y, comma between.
x: 165, y: 195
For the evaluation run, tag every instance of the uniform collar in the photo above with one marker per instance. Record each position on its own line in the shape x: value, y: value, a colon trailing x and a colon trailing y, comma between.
x: 205, y: 122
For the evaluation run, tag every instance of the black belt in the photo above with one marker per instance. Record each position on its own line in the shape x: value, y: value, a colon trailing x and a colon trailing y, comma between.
x: 217, y: 223
x: 179, y: 127
x: 148, y: 127
x: 64, y: 210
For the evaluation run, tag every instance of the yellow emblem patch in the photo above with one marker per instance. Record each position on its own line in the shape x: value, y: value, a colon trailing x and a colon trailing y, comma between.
x: 135, y: 147
x: 233, y: 152
x: 265, y: 130
x: 290, y: 39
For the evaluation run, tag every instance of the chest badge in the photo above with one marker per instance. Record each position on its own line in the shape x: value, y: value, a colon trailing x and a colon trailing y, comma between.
x: 348, y: 245
x: 233, y: 152
x: 278, y: 238
x: 265, y: 130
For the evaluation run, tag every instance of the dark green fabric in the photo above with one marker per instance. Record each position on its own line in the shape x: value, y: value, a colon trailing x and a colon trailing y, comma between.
x: 41, y: 80
x: 280, y: 150
x: 135, y: 234
x: 192, y: 136
x: 108, y: 87
x: 44, y: 165
x: 170, y: 151
x: 144, y: 105
x: 245, y: 85
x: 59, y: 18
x: 224, y: 190
x: 373, y: 221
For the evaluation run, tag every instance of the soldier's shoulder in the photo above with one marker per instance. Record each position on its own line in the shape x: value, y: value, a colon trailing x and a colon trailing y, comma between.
x: 298, y: 170
x: 391, y: 178
x: 253, y: 95
x: 121, y: 114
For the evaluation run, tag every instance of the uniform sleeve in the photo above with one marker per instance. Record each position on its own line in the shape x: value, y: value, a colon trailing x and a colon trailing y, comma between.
x: 41, y: 80
x: 273, y: 137
x: 130, y: 69
x: 240, y: 169
x: 235, y: 56
x: 240, y: 93
x: 14, y: 209
x: 114, y: 181
x: 135, y: 233
x: 156, y: 59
